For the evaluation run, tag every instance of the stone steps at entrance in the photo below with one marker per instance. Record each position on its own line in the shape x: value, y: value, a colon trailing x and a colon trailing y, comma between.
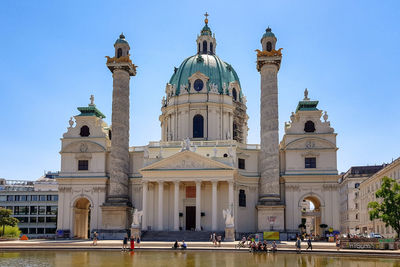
x: 178, y: 235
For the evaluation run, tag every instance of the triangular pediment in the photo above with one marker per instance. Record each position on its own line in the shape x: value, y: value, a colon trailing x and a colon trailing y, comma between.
x: 186, y: 160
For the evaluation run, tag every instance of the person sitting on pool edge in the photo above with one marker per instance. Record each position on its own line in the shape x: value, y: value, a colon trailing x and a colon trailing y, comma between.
x: 176, y: 245
x: 183, y: 246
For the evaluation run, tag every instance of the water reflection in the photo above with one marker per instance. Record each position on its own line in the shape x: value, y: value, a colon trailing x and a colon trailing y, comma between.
x: 108, y: 258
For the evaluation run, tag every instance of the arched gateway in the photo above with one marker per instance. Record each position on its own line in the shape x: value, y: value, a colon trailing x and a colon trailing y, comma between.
x: 311, y: 214
x: 81, y: 218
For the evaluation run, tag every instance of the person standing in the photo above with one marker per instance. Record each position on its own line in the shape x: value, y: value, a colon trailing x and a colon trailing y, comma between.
x: 132, y: 241
x: 138, y: 242
x: 95, y: 238
x: 125, y: 242
x: 298, y: 245
x: 309, y: 243
x: 337, y: 243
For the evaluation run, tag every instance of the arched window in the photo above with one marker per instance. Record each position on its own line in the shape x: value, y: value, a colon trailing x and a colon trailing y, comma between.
x: 204, y: 47
x: 211, y: 48
x: 234, y: 94
x: 198, y: 126
x: 119, y: 53
x: 109, y: 134
x: 269, y: 46
x: 309, y: 127
x: 84, y: 131
x: 198, y: 49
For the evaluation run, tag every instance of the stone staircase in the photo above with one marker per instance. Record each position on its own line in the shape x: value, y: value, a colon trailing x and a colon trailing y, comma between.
x: 178, y: 235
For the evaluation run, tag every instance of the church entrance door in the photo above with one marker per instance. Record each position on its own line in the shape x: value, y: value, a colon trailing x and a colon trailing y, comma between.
x: 190, y: 218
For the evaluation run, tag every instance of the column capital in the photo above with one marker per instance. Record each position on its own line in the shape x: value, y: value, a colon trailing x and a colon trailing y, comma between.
x: 160, y: 181
x: 230, y: 182
x: 145, y: 182
x: 214, y: 181
x: 176, y: 182
x: 198, y: 182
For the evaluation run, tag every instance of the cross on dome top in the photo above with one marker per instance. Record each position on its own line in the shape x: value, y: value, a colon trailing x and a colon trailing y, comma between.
x: 206, y: 19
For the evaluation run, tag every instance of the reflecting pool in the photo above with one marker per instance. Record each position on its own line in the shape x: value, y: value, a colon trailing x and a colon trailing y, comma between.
x: 108, y: 258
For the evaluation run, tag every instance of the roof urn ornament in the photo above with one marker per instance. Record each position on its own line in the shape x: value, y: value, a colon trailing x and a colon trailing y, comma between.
x: 325, y: 116
x: 292, y: 117
x: 71, y: 122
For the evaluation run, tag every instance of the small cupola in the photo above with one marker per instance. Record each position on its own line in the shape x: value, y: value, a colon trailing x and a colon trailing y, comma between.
x: 268, y: 40
x: 206, y: 40
x: 121, y: 47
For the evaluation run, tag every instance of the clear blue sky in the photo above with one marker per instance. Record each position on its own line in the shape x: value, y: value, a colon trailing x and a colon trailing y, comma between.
x: 52, y: 58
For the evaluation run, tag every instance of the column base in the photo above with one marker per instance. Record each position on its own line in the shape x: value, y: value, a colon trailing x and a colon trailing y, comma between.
x: 270, y: 198
x: 136, y: 232
x: 230, y: 234
x: 116, y: 217
x: 270, y: 218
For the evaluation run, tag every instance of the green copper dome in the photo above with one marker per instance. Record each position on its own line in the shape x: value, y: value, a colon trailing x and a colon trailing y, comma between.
x: 206, y: 30
x: 121, y: 40
x: 218, y: 71
x: 268, y: 33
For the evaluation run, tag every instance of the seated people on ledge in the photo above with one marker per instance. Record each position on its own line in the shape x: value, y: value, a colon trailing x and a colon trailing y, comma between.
x: 183, y: 246
x: 176, y: 245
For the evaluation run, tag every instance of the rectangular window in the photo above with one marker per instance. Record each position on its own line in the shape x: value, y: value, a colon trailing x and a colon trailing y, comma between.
x: 51, y: 219
x: 3, y: 198
x: 17, y: 198
x: 42, y: 210
x: 51, y: 230
x: 10, y: 198
x: 52, y: 198
x: 32, y: 231
x: 41, y: 219
x: 22, y: 219
x: 22, y: 198
x: 42, y: 198
x: 242, y: 164
x: 34, y: 198
x: 16, y: 210
x: 51, y: 210
x: 40, y: 230
x: 34, y: 209
x: 242, y: 198
x: 10, y: 208
x: 310, y: 163
x: 33, y: 220
x: 24, y: 210
x: 83, y: 165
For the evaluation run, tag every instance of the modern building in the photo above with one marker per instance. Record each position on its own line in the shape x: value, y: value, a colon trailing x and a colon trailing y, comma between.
x: 202, y: 175
x: 33, y: 203
x: 349, y: 200
x: 366, y: 194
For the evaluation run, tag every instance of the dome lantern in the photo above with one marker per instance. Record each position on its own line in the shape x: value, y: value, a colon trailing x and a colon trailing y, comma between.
x: 206, y: 40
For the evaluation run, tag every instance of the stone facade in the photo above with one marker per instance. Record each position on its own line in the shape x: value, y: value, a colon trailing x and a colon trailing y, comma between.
x: 366, y: 194
x: 349, y: 192
x: 202, y: 168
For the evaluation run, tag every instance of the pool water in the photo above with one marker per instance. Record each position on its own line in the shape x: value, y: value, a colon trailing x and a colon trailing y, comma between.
x: 107, y: 258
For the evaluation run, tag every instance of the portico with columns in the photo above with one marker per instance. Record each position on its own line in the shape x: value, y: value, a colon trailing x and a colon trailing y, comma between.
x: 186, y: 191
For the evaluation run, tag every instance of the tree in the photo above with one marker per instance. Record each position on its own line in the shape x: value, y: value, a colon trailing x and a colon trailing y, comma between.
x: 5, y: 218
x: 387, y: 209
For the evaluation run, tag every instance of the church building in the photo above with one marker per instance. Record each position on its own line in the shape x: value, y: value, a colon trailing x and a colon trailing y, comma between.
x: 202, y: 175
